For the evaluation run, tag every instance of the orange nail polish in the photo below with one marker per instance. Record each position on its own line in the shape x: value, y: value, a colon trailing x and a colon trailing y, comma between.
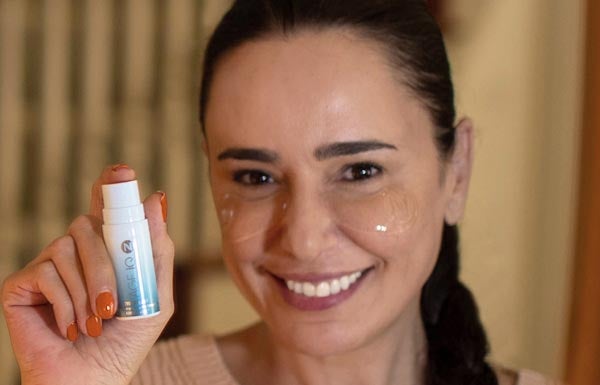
x: 164, y: 204
x: 94, y: 326
x: 120, y: 166
x: 72, y: 332
x: 105, y: 305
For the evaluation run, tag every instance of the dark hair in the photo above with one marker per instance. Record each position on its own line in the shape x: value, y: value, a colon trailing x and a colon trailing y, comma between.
x: 412, y: 42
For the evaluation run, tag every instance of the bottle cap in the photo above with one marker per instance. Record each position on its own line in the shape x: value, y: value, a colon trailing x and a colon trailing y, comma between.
x: 121, y: 195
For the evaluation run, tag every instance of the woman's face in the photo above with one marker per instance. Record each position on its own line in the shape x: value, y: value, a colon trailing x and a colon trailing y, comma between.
x: 328, y: 186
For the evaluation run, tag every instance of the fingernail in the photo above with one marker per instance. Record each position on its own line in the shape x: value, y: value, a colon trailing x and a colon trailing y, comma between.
x: 120, y: 166
x: 72, y: 332
x: 105, y: 305
x: 164, y: 204
x: 94, y: 326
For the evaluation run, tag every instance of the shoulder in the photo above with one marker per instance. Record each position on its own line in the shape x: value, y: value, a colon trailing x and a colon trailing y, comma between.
x: 189, y: 359
x: 506, y: 376
x: 521, y: 377
x: 530, y: 377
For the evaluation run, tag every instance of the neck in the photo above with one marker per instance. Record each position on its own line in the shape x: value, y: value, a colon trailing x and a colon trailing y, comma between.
x: 396, y: 356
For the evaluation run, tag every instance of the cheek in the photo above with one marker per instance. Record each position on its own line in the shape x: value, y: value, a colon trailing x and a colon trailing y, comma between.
x: 241, y: 260
x: 386, y: 213
x: 247, y: 222
x: 411, y: 251
x: 241, y: 253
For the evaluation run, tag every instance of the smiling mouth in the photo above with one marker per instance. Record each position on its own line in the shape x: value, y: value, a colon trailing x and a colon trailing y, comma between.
x: 324, y: 288
x: 320, y: 294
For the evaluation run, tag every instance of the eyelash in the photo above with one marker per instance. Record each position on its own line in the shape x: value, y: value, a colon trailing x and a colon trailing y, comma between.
x: 353, y: 173
x: 246, y: 177
x: 365, y: 171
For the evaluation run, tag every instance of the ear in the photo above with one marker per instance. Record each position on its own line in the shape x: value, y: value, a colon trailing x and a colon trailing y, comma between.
x: 458, y: 172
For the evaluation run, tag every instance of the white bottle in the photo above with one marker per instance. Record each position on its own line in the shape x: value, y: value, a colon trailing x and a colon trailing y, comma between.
x: 127, y: 239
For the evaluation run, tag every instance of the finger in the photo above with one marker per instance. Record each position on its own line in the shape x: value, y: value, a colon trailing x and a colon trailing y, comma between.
x: 63, y: 253
x: 155, y: 207
x: 111, y: 174
x: 41, y: 285
x: 96, y: 265
x: 52, y: 286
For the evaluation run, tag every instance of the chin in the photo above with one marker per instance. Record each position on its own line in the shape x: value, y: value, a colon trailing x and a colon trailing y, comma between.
x: 319, y: 340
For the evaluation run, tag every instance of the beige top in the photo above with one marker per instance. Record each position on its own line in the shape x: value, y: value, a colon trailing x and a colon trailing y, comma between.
x: 196, y: 360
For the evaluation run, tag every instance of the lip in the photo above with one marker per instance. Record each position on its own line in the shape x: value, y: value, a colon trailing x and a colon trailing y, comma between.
x: 304, y: 303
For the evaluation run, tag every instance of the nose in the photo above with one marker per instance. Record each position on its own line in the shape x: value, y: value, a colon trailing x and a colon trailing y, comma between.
x: 308, y: 228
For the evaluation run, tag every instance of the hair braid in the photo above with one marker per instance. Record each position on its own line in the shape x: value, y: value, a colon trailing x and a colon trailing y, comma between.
x: 457, y: 344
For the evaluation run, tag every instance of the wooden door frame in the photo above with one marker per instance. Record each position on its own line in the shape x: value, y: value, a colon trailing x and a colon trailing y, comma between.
x: 582, y: 364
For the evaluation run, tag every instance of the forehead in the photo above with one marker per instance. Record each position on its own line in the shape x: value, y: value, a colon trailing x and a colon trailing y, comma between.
x: 314, y: 87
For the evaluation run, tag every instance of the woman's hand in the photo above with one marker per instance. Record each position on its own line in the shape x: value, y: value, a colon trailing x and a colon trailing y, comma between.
x: 59, y: 307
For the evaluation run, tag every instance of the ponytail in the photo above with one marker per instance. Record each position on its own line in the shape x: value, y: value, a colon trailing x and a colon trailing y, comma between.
x: 457, y: 344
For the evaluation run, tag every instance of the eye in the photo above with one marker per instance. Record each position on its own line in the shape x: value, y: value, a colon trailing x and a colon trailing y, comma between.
x: 252, y: 177
x: 361, y: 171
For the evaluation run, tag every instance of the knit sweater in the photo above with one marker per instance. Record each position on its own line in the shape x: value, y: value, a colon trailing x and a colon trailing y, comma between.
x: 196, y: 360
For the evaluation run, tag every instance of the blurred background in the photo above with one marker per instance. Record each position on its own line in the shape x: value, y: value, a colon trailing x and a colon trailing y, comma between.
x: 85, y: 83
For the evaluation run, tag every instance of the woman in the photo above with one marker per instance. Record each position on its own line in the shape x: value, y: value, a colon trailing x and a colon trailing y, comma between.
x: 339, y: 175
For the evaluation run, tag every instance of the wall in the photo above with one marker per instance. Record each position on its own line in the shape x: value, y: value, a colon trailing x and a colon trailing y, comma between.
x: 518, y: 70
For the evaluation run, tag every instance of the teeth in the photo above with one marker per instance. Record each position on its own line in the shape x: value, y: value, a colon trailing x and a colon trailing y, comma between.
x: 345, y: 282
x: 325, y: 288
x: 334, y: 286
x: 308, y: 289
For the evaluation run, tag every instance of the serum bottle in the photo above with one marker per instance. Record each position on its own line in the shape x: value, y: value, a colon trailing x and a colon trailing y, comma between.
x: 127, y: 239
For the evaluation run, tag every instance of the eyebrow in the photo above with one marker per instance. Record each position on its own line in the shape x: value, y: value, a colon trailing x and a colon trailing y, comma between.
x: 256, y: 154
x: 350, y: 148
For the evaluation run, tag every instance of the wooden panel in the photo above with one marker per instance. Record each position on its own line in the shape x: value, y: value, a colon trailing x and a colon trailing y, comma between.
x: 12, y: 120
x: 12, y: 107
x: 584, y: 344
x: 96, y: 114
x: 177, y: 123
x: 211, y: 235
x: 133, y: 138
x: 55, y: 124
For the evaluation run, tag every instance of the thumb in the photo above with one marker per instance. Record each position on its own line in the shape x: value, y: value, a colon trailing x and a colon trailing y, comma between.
x: 111, y: 174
